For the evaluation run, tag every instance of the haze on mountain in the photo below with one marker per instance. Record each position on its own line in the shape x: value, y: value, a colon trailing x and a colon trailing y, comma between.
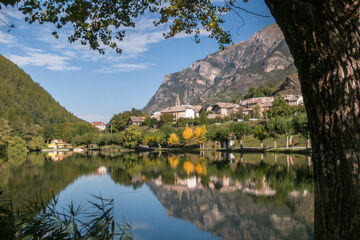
x: 261, y: 60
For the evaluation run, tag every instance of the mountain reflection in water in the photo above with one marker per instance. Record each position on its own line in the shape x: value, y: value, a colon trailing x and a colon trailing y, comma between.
x: 231, y: 196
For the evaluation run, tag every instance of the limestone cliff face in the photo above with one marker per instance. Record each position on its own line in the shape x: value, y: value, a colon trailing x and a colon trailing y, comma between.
x: 263, y: 58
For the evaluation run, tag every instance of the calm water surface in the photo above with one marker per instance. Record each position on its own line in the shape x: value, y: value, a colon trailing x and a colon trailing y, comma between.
x: 183, y: 196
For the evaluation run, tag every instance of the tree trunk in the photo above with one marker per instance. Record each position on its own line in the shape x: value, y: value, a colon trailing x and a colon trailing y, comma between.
x: 275, y: 143
x: 287, y: 140
x: 241, y: 144
x: 307, y: 143
x: 261, y: 145
x: 324, y: 39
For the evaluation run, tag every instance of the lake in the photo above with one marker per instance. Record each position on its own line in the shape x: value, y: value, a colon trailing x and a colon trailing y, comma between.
x: 177, y: 196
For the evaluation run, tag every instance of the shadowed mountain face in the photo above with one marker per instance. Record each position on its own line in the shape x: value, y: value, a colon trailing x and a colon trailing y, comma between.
x: 262, y: 59
x: 234, y: 215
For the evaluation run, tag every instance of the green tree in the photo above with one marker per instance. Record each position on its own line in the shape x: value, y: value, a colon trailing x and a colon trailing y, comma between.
x: 279, y: 108
x: 16, y: 150
x: 256, y: 111
x: 167, y: 130
x: 36, y: 143
x: 284, y: 126
x: 254, y: 92
x: 240, y: 130
x: 90, y: 138
x: 182, y: 122
x: 77, y: 141
x: 154, y: 138
x: 166, y: 118
x: 132, y: 136
x: 105, y: 139
x: 119, y: 121
x: 29, y: 131
x: 271, y: 127
x: 203, y: 119
x: 260, y: 133
x: 220, y: 135
x: 118, y: 138
x: 151, y: 122
x: 300, y: 123
x: 4, y: 135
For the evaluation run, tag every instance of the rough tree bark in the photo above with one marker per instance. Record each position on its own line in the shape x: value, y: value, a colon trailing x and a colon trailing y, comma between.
x: 324, y: 39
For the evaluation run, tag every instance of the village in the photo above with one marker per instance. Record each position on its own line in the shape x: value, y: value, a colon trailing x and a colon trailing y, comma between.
x: 217, y: 110
x: 252, y: 109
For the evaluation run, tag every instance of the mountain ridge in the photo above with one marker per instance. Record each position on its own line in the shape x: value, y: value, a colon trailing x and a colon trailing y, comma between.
x: 262, y: 59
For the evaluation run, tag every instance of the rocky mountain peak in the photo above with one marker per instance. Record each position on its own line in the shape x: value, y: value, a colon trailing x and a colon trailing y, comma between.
x: 261, y: 59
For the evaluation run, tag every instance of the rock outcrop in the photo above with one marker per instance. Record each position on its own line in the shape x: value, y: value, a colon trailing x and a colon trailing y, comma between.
x: 262, y: 59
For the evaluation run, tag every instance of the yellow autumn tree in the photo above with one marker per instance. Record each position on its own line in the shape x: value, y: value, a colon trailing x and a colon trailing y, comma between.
x: 173, y: 139
x: 200, y: 168
x: 173, y: 162
x: 188, y: 167
x: 187, y: 134
x: 200, y: 134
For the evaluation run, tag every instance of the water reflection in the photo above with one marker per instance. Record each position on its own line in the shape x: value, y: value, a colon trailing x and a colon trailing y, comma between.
x: 233, y: 196
x: 58, y: 155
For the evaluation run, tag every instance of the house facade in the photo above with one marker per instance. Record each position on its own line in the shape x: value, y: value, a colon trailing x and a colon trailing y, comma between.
x: 224, y: 109
x: 99, y: 125
x: 182, y: 111
x: 294, y: 100
x: 264, y: 103
x: 136, y: 121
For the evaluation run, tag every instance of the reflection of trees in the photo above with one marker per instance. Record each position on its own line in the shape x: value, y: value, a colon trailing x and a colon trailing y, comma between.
x: 284, y: 184
x: 209, y: 193
x: 23, y: 182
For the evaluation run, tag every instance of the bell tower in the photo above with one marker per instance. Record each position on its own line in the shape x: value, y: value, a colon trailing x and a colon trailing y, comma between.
x: 177, y: 103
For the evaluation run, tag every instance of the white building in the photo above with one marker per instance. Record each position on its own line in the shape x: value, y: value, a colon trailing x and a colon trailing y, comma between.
x: 156, y: 115
x: 183, y: 111
x: 294, y: 100
x: 99, y: 125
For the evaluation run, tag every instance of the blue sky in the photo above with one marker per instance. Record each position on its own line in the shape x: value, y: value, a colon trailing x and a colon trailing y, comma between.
x: 95, y: 87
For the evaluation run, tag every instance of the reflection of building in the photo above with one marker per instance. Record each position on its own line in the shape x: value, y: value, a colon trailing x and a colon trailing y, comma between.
x: 223, y: 184
x: 231, y: 216
x: 100, y: 171
x: 99, y: 125
x: 58, y: 156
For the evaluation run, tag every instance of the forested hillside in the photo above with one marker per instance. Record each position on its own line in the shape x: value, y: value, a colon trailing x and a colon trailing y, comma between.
x: 30, y: 110
x: 21, y: 98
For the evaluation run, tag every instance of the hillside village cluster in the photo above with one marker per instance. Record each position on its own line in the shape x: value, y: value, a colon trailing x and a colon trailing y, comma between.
x: 220, y: 109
